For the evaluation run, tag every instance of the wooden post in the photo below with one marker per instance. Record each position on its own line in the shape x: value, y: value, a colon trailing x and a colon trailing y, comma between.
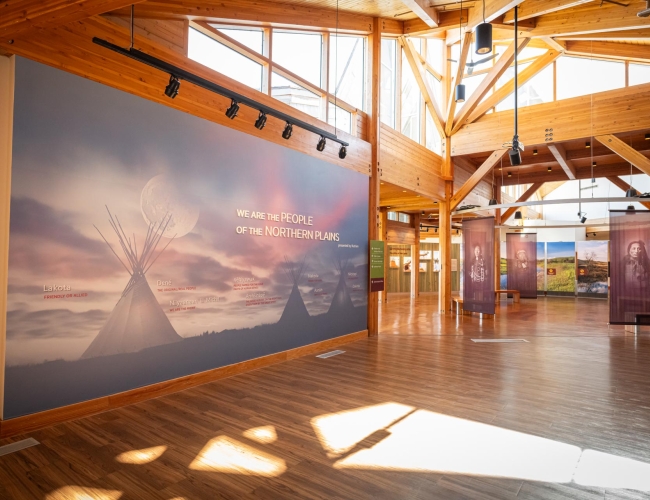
x: 7, y: 72
x: 444, y: 231
x: 374, y: 126
x: 415, y: 260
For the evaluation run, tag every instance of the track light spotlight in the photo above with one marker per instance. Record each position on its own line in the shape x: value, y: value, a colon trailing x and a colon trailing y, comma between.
x: 232, y: 111
x: 518, y: 215
x: 460, y: 93
x: 343, y: 152
x: 288, y: 130
x: 261, y: 121
x: 515, y: 157
x: 483, y: 38
x: 587, y: 144
x: 583, y: 217
x: 171, y: 90
x: 534, y: 152
x: 321, y: 144
x: 631, y: 193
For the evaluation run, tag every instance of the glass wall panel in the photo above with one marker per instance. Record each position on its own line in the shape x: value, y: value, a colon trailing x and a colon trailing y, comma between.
x: 577, y: 76
x: 388, y: 79
x: 537, y: 90
x: 300, y: 53
x: 347, y: 69
x: 296, y: 96
x: 411, y: 102
x: 217, y: 56
x: 436, y: 54
x: 339, y: 118
x: 639, y: 73
x: 253, y: 39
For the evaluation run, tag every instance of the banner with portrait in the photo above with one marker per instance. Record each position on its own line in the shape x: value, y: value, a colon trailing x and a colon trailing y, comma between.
x: 521, y: 251
x: 478, y: 279
x: 630, y: 267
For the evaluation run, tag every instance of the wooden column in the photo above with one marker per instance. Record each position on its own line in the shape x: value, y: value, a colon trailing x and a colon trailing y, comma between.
x: 415, y: 263
x: 374, y: 127
x: 444, y: 231
x: 7, y: 71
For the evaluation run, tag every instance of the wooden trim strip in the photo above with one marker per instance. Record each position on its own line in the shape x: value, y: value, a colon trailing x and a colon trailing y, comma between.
x: 28, y: 423
x: 7, y: 71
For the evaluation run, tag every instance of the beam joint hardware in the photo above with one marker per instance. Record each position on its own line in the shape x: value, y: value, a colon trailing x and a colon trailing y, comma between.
x: 176, y: 75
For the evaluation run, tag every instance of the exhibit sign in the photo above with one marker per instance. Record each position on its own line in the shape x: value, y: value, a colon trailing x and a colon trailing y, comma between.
x: 629, y: 302
x: 521, y: 251
x: 147, y: 244
x: 478, y: 278
x: 377, y: 266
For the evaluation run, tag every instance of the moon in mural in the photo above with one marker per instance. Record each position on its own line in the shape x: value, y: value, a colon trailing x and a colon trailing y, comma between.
x: 161, y: 198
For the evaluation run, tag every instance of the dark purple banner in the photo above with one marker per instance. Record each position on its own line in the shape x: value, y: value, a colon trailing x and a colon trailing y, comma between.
x: 630, y: 267
x: 478, y: 281
x: 521, y: 251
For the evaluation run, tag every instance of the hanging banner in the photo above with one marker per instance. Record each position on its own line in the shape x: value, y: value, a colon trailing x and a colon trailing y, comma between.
x: 478, y: 279
x: 521, y: 251
x: 630, y: 267
x: 376, y: 266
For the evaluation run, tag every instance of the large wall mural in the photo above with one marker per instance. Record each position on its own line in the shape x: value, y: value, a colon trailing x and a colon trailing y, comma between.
x: 147, y: 244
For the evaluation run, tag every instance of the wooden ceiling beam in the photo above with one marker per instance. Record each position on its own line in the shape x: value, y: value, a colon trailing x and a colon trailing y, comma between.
x: 581, y: 173
x: 447, y: 20
x: 475, y: 178
x: 420, y: 77
x: 484, y: 87
x: 591, y: 17
x: 458, y: 78
x: 509, y: 87
x: 625, y: 151
x: 22, y: 17
x: 524, y: 197
x: 428, y: 14
x: 615, y: 111
x: 270, y: 14
x: 612, y: 35
x: 493, y: 10
x: 624, y: 186
x: 609, y: 50
x: 567, y: 165
x: 535, y: 8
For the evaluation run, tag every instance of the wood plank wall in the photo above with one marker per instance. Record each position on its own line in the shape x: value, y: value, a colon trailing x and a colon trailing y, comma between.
x: 6, y: 133
x: 410, y: 165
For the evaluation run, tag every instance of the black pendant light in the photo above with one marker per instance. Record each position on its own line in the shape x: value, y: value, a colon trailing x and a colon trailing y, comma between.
x: 483, y: 36
x: 631, y: 192
x: 518, y: 215
x: 515, y: 153
x: 460, y: 88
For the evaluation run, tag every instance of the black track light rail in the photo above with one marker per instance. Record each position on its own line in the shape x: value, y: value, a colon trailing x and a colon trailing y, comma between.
x: 181, y: 74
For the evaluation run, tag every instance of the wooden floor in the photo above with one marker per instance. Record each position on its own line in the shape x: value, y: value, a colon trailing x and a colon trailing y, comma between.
x: 420, y: 412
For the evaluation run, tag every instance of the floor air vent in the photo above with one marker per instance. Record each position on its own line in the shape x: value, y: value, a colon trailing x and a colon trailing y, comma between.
x: 498, y: 341
x: 17, y: 446
x: 330, y: 354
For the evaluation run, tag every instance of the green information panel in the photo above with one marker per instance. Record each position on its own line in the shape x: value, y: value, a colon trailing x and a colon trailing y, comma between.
x: 376, y: 266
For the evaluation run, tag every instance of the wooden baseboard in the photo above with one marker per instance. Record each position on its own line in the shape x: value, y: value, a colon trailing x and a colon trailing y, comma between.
x: 21, y: 425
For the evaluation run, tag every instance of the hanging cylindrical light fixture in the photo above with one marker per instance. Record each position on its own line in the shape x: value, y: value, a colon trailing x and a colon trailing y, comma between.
x: 483, y: 36
x: 518, y: 215
x: 460, y: 93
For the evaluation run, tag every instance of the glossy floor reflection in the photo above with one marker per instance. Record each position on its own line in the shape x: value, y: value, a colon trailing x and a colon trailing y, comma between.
x: 418, y: 412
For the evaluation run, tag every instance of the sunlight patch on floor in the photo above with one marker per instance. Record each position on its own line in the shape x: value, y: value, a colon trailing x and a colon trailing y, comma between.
x: 225, y: 454
x: 265, y: 434
x: 139, y: 457
x: 83, y: 493
x: 339, y: 432
x: 397, y: 437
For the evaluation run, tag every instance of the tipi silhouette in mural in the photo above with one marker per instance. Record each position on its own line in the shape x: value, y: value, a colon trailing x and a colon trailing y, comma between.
x: 295, y: 311
x: 137, y: 320
x: 341, y: 302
